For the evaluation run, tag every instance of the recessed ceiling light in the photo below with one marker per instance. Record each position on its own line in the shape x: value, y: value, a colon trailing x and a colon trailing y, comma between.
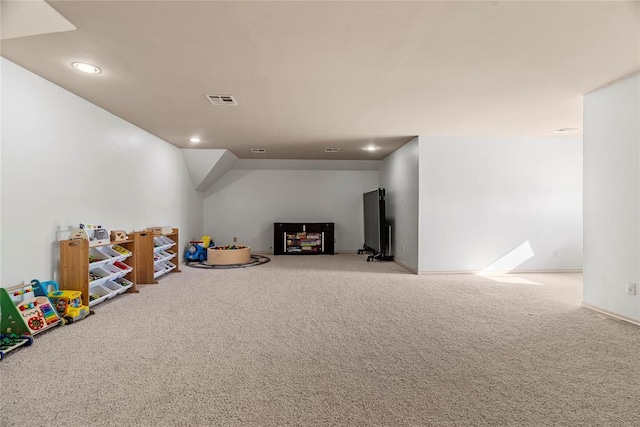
x: 86, y: 68
x: 564, y: 130
x: 195, y: 140
x: 371, y: 148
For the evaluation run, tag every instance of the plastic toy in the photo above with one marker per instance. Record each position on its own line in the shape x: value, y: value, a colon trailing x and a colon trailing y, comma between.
x: 26, y: 310
x: 9, y: 342
x: 198, y: 249
x: 121, y: 250
x: 95, y: 234
x: 69, y: 305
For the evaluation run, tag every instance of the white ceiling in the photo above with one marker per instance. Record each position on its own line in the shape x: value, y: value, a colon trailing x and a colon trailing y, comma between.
x: 310, y: 75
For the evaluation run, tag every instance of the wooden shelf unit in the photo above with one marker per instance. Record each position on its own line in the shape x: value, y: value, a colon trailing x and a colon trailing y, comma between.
x: 175, y: 260
x: 74, y: 265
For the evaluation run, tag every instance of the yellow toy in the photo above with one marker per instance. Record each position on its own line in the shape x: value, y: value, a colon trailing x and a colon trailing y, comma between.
x: 69, y: 305
x: 206, y: 240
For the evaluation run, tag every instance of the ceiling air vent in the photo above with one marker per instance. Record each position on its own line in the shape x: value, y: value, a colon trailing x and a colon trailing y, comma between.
x: 221, y: 99
x: 331, y: 150
x: 258, y: 150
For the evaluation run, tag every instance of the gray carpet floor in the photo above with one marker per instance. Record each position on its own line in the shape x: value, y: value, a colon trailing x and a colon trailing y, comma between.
x: 332, y: 340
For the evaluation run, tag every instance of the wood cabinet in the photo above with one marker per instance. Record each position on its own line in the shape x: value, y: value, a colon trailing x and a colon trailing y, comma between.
x: 303, y: 238
x: 99, y: 272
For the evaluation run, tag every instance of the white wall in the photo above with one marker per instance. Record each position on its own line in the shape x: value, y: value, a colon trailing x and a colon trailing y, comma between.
x: 482, y: 199
x: 245, y: 203
x: 66, y: 161
x: 612, y: 196
x: 399, y: 177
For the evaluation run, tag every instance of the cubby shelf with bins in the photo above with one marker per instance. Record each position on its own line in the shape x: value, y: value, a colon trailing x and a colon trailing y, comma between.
x: 165, y: 253
x: 100, y: 272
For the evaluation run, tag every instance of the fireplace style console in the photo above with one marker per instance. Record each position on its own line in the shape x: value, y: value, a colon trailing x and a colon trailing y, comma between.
x: 303, y: 238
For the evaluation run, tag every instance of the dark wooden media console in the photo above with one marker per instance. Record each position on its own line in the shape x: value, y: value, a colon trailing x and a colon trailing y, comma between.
x: 303, y: 238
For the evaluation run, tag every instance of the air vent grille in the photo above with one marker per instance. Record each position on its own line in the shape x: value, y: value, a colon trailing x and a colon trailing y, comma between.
x: 222, y: 99
x: 564, y: 130
x: 258, y: 150
x: 331, y: 150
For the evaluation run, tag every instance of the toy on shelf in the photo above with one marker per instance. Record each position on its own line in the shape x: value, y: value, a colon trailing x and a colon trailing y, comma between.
x: 198, y: 249
x: 69, y: 305
x: 95, y: 234
x: 159, y: 231
x: 118, y: 235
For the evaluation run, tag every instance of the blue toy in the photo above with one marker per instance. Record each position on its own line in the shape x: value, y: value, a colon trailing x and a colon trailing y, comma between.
x: 198, y: 249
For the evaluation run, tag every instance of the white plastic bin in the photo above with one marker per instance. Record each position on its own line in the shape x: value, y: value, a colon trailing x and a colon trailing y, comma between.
x: 98, y: 276
x: 115, y: 288
x: 115, y: 271
x: 115, y: 255
x: 123, y: 283
x: 98, y: 294
x: 98, y: 258
x: 122, y: 251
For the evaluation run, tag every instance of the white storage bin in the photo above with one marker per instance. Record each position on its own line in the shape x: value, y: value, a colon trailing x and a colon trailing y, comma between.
x: 170, y: 265
x: 115, y: 288
x: 115, y: 255
x: 127, y: 268
x: 115, y: 271
x: 98, y: 276
x: 123, y: 283
x: 166, y: 241
x: 165, y: 256
x: 122, y: 251
x: 98, y: 258
x: 159, y: 269
x: 97, y: 294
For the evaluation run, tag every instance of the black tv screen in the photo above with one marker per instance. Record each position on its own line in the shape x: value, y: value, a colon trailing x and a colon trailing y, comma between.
x: 374, y: 220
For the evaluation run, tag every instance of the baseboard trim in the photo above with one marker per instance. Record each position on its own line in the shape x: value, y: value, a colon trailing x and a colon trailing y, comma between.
x: 611, y: 314
x: 270, y: 252
x: 267, y: 252
x: 480, y: 272
x: 403, y: 265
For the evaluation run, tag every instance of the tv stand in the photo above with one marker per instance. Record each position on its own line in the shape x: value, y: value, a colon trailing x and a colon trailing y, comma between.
x: 303, y: 238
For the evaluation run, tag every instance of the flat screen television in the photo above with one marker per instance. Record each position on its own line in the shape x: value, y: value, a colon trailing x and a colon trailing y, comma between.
x: 375, y: 238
